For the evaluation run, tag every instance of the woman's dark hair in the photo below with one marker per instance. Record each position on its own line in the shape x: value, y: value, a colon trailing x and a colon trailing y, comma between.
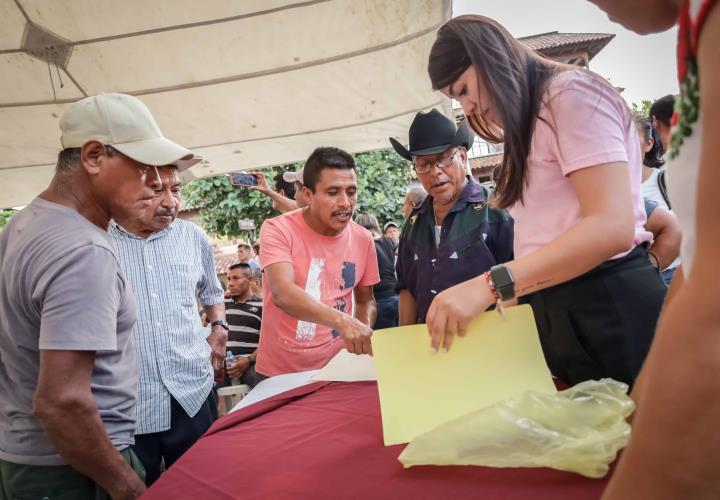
x: 322, y: 158
x: 652, y: 158
x: 663, y: 109
x: 516, y: 79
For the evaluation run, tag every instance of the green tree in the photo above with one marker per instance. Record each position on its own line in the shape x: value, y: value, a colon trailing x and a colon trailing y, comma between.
x: 222, y: 205
x: 382, y: 179
x: 642, y: 109
x: 5, y: 215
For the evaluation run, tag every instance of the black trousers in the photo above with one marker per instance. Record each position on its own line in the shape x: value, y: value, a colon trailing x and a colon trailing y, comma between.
x: 164, y: 448
x: 601, y: 324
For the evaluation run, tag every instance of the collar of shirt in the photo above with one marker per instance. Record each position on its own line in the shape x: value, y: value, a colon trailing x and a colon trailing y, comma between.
x: 121, y: 231
x: 473, y: 192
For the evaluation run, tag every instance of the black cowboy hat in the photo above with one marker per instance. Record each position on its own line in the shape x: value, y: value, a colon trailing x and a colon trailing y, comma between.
x: 432, y: 133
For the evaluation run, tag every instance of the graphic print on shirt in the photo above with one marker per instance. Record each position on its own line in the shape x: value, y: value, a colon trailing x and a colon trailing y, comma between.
x: 306, y: 331
x: 348, y: 281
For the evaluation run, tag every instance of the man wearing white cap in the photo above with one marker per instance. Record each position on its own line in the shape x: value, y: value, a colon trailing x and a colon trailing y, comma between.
x: 68, y: 370
x: 296, y: 178
x: 281, y: 202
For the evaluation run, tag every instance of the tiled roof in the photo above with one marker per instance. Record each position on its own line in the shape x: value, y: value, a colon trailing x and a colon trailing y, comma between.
x: 486, y: 162
x: 223, y: 261
x: 555, y: 43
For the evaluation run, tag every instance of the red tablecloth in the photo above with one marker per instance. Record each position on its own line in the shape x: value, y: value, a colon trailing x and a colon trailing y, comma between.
x: 324, y: 441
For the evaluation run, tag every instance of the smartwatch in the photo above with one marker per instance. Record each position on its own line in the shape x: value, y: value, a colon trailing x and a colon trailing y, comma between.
x: 503, y: 282
x: 220, y: 322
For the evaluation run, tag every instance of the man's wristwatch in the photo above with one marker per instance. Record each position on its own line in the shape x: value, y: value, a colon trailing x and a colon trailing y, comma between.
x: 503, y: 282
x: 220, y: 322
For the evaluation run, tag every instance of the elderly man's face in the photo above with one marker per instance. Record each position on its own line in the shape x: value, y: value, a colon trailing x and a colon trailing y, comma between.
x: 166, y: 201
x: 393, y: 233
x: 125, y: 185
x: 443, y: 184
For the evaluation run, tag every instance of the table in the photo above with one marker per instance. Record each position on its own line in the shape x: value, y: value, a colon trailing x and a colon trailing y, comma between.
x: 324, y: 441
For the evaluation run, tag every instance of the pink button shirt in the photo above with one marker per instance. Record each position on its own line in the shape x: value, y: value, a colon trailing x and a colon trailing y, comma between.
x: 586, y: 123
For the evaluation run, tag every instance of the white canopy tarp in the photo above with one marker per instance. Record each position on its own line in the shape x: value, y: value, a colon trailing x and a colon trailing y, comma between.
x: 244, y: 83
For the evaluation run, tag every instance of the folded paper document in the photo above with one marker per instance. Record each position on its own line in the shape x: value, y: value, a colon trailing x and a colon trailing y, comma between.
x: 500, y: 357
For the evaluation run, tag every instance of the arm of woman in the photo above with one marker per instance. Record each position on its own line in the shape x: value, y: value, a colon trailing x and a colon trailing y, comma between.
x: 667, y: 236
x: 606, y: 229
x: 674, y: 451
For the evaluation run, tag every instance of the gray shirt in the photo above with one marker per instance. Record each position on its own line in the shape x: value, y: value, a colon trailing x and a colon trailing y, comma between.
x: 61, y: 288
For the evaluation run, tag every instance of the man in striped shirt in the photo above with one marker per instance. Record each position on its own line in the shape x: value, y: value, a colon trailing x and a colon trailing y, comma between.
x: 169, y: 262
x: 244, y: 314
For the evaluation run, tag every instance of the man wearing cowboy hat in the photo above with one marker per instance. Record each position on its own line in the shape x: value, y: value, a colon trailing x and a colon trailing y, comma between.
x: 453, y: 235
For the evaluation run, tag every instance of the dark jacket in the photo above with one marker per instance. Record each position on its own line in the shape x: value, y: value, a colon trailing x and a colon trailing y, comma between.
x: 473, y: 238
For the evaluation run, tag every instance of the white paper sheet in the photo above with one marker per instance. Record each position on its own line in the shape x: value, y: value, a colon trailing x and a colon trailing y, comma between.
x: 346, y: 367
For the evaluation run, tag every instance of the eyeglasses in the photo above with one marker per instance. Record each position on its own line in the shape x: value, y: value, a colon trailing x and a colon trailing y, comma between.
x: 442, y: 163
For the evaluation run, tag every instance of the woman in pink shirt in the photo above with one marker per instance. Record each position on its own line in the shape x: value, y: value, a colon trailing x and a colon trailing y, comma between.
x: 571, y: 179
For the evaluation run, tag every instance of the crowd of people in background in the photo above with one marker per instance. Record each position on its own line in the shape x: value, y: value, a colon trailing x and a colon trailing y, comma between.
x: 108, y: 373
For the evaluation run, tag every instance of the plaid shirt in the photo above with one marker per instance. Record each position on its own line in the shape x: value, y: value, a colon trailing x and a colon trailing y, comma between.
x: 474, y: 237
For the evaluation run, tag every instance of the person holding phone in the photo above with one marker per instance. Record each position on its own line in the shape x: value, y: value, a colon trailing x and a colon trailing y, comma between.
x: 283, y: 199
x: 570, y: 177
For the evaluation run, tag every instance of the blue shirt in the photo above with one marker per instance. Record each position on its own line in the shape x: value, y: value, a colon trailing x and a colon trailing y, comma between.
x: 473, y: 238
x: 166, y: 270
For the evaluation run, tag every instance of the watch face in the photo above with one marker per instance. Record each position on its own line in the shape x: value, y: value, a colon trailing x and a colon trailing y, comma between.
x: 503, y: 282
x: 501, y: 277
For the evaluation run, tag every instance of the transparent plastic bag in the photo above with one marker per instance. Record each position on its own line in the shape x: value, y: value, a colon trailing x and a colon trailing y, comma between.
x: 580, y: 430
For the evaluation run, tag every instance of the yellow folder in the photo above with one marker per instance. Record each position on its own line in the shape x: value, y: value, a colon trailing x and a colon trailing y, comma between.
x: 499, y: 357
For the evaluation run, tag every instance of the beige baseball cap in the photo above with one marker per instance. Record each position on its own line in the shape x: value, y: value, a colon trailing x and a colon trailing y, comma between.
x: 125, y: 123
x: 293, y: 177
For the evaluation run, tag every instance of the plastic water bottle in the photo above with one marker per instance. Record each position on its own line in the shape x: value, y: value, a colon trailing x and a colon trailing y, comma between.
x: 230, y: 361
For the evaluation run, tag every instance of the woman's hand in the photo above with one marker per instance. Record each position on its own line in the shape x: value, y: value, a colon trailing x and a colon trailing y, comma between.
x: 452, y: 310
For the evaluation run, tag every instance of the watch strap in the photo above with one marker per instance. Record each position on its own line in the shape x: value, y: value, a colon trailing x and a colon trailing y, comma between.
x: 220, y: 322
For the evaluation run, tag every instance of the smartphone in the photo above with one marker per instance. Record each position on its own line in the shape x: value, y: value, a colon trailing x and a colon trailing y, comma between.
x: 242, y: 179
